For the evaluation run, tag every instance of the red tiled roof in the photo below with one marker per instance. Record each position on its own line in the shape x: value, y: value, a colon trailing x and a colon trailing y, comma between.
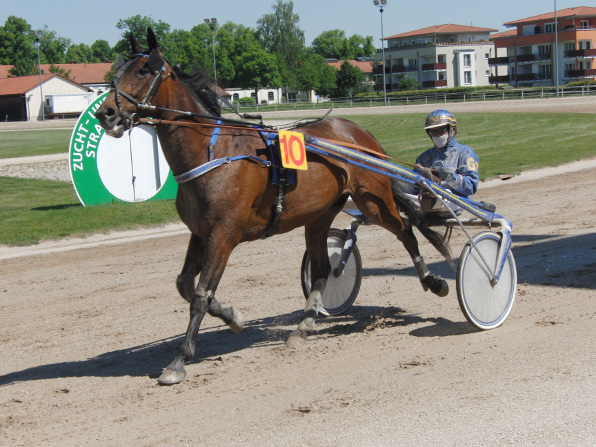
x: 22, y: 84
x: 364, y: 66
x: 79, y: 73
x: 569, y: 13
x: 508, y: 33
x: 443, y: 29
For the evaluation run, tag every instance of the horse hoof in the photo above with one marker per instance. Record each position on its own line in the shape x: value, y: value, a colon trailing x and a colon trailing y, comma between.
x: 171, y: 377
x: 237, y: 324
x: 441, y: 288
x: 296, y: 338
x: 436, y: 284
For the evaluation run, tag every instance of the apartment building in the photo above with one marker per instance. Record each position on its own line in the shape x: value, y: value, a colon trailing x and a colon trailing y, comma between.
x: 438, y: 56
x: 547, y: 49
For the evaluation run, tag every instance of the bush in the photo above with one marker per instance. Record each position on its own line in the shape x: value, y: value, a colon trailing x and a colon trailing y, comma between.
x: 248, y: 101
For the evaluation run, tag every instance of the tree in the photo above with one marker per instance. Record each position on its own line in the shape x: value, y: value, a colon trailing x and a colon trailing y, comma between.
x: 330, y: 44
x: 17, y: 47
x: 102, y: 51
x: 359, y: 46
x: 328, y: 82
x: 52, y: 47
x: 257, y: 69
x: 349, y: 80
x: 59, y: 70
x: 407, y: 83
x: 138, y: 25
x: 79, y: 54
x: 335, y: 44
x: 314, y: 73
x: 280, y: 33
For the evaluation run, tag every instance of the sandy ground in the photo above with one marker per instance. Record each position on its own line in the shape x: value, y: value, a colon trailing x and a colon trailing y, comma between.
x: 86, y: 327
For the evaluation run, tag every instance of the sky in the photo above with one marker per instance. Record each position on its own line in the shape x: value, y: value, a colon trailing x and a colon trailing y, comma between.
x: 86, y: 22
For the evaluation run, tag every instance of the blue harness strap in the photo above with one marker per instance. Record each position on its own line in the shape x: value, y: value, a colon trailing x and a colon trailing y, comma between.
x: 213, y: 140
x: 211, y: 165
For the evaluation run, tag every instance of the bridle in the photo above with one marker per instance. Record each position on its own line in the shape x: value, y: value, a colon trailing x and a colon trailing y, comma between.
x: 156, y: 63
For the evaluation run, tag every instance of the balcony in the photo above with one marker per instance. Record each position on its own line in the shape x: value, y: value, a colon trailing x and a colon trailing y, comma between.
x: 398, y: 69
x: 526, y: 77
x: 498, y: 79
x: 581, y: 53
x: 498, y: 60
x: 525, y: 58
x: 439, y: 66
x: 580, y: 73
x: 378, y: 70
x: 434, y: 84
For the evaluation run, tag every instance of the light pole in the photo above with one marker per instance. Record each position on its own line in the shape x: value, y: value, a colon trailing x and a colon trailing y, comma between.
x: 38, y: 43
x: 380, y: 4
x: 556, y: 50
x: 211, y: 23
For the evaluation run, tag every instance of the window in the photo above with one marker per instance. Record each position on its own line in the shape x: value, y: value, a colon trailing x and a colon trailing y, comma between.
x: 487, y: 73
x: 441, y: 58
x: 584, y: 24
x: 569, y: 46
x: 549, y: 27
x: 236, y: 96
x: 545, y: 71
x: 270, y: 96
x: 253, y: 95
x: 413, y: 63
x: 544, y: 50
x: 486, y: 56
x: 467, y: 77
x: 467, y: 60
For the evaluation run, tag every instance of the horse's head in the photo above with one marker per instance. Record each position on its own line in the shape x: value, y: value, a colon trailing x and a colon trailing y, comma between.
x: 134, y: 86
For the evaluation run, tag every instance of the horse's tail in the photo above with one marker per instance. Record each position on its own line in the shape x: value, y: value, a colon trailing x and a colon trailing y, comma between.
x: 420, y: 219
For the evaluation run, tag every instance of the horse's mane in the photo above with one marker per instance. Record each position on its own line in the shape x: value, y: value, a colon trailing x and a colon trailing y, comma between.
x: 199, y: 83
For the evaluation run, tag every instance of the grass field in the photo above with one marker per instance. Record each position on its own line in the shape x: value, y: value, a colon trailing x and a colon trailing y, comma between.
x: 506, y: 143
x: 25, y: 143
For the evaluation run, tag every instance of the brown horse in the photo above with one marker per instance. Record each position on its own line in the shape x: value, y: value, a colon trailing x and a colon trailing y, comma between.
x: 235, y: 202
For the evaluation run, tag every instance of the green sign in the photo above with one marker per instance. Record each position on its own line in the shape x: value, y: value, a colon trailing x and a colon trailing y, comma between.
x: 127, y: 169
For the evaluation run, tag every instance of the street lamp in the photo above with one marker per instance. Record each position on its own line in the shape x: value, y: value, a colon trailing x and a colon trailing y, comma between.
x: 211, y: 23
x: 380, y: 4
x: 556, y: 51
x: 38, y: 43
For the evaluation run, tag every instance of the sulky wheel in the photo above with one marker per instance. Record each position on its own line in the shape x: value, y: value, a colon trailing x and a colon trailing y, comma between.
x: 484, y: 305
x: 340, y: 292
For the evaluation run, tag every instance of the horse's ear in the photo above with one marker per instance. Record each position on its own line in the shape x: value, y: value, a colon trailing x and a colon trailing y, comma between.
x: 136, y: 48
x: 152, y: 40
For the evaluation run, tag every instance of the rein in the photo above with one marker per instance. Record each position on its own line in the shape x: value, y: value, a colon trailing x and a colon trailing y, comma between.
x: 158, y: 66
x: 245, y: 126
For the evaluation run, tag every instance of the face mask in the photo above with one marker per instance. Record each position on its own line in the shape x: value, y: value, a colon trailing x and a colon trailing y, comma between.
x: 441, y: 142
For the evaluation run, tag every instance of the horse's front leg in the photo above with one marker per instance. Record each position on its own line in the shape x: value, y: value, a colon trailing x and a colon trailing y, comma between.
x: 186, y: 286
x: 203, y: 301
x: 186, y: 279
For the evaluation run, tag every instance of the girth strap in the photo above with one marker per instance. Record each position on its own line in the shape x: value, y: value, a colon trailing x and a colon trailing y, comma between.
x: 211, y: 165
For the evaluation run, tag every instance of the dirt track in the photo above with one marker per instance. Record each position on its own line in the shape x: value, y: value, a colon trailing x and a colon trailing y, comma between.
x: 87, y: 326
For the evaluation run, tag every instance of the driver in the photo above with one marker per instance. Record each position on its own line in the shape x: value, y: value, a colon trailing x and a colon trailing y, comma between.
x: 455, y: 164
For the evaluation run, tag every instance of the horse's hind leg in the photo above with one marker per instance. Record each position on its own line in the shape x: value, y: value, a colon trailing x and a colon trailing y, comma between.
x: 316, y: 245
x: 388, y: 217
x: 186, y: 286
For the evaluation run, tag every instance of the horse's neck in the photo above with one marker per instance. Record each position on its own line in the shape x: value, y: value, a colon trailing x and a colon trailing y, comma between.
x: 185, y: 147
